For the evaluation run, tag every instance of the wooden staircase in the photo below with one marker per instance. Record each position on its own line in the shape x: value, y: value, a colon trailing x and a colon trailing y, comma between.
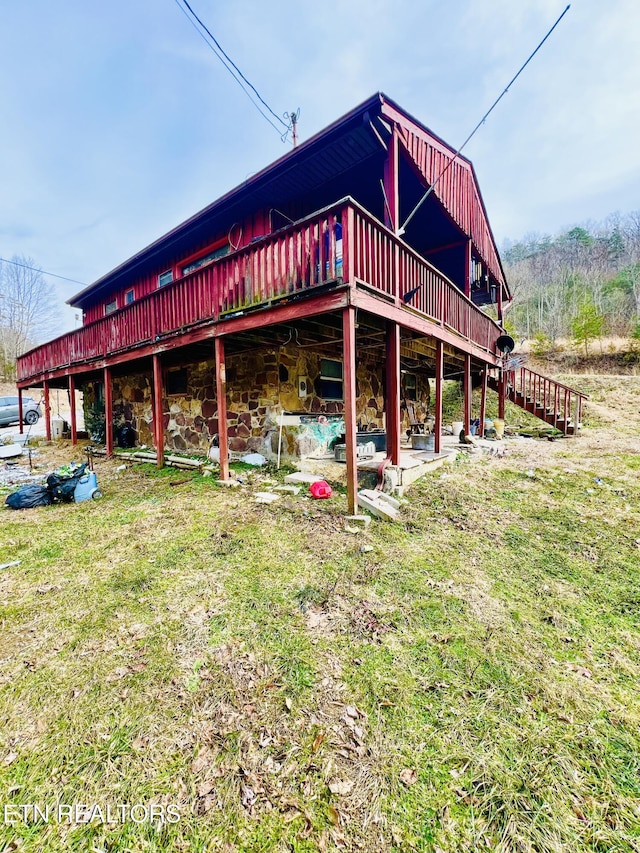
x: 551, y: 401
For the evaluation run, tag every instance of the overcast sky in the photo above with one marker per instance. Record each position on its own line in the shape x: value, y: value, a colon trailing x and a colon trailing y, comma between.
x: 117, y: 122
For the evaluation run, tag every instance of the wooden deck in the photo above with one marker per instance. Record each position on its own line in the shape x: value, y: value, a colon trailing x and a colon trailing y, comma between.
x: 342, y: 244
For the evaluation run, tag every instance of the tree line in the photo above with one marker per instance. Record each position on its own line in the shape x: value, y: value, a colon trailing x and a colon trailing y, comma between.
x: 28, y: 310
x: 580, y: 285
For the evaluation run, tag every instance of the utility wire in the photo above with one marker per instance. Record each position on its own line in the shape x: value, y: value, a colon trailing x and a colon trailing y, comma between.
x: 44, y: 272
x: 480, y: 123
x: 230, y: 65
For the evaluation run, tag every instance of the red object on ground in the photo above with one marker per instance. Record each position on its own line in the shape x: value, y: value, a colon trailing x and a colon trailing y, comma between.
x: 320, y: 489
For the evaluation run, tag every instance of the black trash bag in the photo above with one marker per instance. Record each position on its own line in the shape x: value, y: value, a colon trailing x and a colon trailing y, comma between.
x: 126, y: 436
x: 29, y: 496
x: 63, y: 481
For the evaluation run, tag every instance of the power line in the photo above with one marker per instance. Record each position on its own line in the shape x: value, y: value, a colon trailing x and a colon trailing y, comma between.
x: 479, y: 125
x: 44, y: 272
x: 230, y: 65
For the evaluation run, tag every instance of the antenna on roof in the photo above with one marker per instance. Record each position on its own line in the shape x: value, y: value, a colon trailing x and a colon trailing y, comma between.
x: 292, y: 118
x: 403, y: 227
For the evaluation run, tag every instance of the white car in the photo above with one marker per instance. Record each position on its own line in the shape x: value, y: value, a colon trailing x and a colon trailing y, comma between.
x: 9, y: 411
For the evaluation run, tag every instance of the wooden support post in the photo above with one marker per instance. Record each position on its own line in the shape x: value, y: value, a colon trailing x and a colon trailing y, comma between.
x: 483, y: 401
x: 221, y: 398
x: 392, y: 199
x: 72, y: 406
x: 20, y: 411
x: 47, y: 411
x: 501, y: 394
x: 108, y: 412
x: 158, y: 421
x: 438, y: 404
x: 392, y: 401
x: 467, y: 394
x: 349, y: 359
x: 467, y: 270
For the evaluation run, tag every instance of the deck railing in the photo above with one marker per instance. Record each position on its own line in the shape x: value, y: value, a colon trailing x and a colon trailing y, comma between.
x: 552, y: 401
x: 341, y: 242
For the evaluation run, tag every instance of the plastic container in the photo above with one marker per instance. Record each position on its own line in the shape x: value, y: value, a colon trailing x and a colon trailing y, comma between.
x: 57, y: 426
x: 320, y: 489
x: 456, y: 428
x: 498, y: 425
x: 87, y: 488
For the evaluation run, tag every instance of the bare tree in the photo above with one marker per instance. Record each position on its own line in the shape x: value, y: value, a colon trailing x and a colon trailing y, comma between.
x: 28, y: 309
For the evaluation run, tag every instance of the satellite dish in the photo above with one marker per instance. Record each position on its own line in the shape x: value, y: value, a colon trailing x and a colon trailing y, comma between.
x: 505, y: 344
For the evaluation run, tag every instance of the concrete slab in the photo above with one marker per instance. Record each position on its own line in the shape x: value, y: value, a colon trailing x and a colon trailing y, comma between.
x: 302, y: 477
x: 381, y: 509
x: 266, y: 497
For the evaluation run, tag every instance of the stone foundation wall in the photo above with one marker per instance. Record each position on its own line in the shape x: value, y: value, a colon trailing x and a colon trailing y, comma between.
x: 260, y: 384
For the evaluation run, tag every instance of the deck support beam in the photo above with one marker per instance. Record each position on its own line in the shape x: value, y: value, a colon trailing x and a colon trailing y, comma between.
x: 158, y: 422
x: 467, y: 270
x: 438, y: 404
x: 108, y: 412
x: 392, y: 400
x: 221, y: 398
x: 47, y: 411
x: 501, y: 394
x: 20, y: 411
x: 392, y: 198
x: 72, y: 406
x: 483, y: 401
x: 467, y: 394
x: 349, y: 359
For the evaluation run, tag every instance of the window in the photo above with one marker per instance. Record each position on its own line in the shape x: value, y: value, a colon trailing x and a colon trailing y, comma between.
x: 218, y: 250
x: 110, y: 307
x: 176, y: 380
x: 129, y: 297
x: 331, y: 386
x: 409, y: 386
x: 165, y: 278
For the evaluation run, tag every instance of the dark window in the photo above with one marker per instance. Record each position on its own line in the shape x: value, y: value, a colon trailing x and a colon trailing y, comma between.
x: 129, y: 297
x: 409, y: 386
x: 220, y: 252
x: 165, y: 278
x: 331, y: 385
x: 177, y: 381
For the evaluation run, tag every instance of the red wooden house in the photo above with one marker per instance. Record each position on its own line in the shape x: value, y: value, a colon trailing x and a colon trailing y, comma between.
x: 299, y: 291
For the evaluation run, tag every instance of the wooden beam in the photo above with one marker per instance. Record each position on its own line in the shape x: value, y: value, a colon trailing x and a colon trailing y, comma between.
x: 221, y: 398
x: 438, y: 402
x: 158, y: 422
x: 108, y: 411
x: 483, y: 402
x: 467, y: 270
x: 392, y: 397
x: 47, y: 411
x: 20, y: 411
x: 72, y: 406
x: 349, y: 363
x: 501, y: 394
x: 467, y: 394
x: 392, y: 199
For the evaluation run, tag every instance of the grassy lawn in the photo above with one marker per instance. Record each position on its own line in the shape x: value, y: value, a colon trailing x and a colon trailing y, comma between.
x: 463, y: 680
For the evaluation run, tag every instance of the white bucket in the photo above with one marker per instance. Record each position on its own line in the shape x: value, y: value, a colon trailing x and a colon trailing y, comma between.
x: 456, y: 428
x: 57, y: 426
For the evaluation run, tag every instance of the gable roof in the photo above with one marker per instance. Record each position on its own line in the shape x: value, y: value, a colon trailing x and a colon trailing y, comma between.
x: 348, y: 142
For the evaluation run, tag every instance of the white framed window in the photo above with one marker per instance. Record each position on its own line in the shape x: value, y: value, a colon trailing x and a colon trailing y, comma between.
x: 331, y: 379
x: 165, y: 278
x: 110, y: 307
